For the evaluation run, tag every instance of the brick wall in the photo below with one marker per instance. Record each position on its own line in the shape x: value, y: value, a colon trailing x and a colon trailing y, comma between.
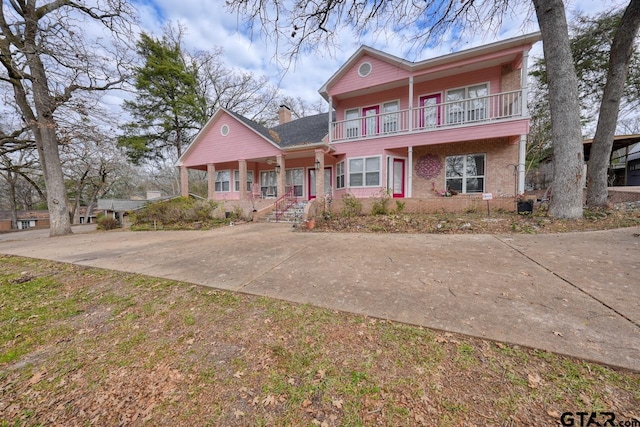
x: 510, y: 78
x: 501, y: 158
x: 459, y: 203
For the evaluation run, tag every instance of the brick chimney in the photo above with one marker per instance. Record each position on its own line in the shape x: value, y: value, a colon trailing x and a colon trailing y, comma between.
x: 284, y: 114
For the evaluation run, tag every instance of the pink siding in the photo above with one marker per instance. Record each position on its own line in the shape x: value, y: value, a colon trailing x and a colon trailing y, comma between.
x: 381, y: 73
x: 240, y: 143
x: 466, y: 133
x: 474, y: 60
x: 490, y: 75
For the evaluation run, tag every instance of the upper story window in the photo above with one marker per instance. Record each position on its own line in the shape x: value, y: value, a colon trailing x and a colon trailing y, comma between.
x: 467, y: 104
x: 224, y: 130
x: 364, y: 172
x: 353, y: 123
x: 390, y: 116
x: 465, y: 174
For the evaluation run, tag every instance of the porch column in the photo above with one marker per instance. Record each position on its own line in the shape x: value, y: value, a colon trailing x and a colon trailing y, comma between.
x: 184, y: 181
x: 242, y: 178
x: 319, y: 157
x: 410, y: 104
x: 524, y: 83
x: 330, y: 119
x: 522, y: 158
x: 410, y: 173
x: 281, y: 175
x: 211, y: 181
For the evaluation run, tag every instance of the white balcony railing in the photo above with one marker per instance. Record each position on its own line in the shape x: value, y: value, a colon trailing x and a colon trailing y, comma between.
x: 444, y: 115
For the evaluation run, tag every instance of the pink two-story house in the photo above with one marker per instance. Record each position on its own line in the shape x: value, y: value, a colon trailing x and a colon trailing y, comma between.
x: 453, y: 125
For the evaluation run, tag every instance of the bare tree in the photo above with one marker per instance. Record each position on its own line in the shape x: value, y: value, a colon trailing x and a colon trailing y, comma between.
x: 236, y: 90
x: 314, y: 25
x: 50, y: 50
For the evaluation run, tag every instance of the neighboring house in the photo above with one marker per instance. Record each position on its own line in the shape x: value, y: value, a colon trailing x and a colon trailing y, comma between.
x: 633, y: 166
x: 26, y: 219
x: 413, y: 130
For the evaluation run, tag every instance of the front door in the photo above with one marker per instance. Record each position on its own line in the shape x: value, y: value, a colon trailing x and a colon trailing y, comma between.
x: 397, y: 177
x: 312, y: 182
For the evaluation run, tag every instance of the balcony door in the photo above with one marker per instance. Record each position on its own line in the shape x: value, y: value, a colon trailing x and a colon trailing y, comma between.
x: 371, y: 123
x: 430, y: 105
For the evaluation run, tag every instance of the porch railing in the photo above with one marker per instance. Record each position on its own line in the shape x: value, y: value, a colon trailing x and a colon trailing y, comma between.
x: 284, y: 203
x: 478, y: 110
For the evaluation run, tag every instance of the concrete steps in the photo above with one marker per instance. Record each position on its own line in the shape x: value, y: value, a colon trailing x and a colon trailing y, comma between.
x: 291, y: 215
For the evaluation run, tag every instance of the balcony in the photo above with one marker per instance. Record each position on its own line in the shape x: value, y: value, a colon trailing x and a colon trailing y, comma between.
x: 479, y: 110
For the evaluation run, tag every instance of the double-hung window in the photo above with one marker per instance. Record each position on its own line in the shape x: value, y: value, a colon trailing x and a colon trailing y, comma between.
x: 390, y: 116
x: 236, y: 180
x: 223, y: 180
x: 340, y: 175
x: 364, y: 172
x: 467, y: 104
x: 465, y: 174
x: 352, y: 124
x: 294, y: 178
x: 268, y: 183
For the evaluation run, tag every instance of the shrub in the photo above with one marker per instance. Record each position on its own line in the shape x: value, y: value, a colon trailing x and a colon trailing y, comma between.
x: 107, y: 223
x: 380, y: 205
x: 351, y: 205
x: 175, y: 212
x: 400, y: 206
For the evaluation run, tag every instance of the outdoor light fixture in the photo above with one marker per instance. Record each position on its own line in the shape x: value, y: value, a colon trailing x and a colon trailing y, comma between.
x: 277, y: 168
x: 317, y: 165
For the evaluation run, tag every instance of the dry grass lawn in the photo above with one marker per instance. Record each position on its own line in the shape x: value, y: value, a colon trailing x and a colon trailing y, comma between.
x: 84, y: 346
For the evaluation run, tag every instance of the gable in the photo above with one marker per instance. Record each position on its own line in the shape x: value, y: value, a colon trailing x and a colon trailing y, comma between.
x: 241, y: 142
x: 382, y: 72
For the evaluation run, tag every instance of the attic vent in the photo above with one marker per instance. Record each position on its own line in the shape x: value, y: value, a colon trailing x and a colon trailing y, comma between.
x: 364, y: 69
x: 224, y: 130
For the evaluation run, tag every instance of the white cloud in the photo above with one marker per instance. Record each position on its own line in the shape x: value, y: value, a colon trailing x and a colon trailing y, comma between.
x: 210, y: 24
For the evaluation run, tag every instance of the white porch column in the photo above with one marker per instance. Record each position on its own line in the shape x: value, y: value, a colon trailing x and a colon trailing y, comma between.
x: 319, y: 157
x: 525, y: 83
x: 410, y: 173
x: 211, y: 181
x: 329, y: 130
x: 280, y: 176
x: 522, y: 158
x: 242, y: 178
x: 184, y: 181
x: 411, y: 103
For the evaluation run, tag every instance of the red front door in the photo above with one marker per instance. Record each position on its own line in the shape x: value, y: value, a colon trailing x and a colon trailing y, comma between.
x: 397, y: 177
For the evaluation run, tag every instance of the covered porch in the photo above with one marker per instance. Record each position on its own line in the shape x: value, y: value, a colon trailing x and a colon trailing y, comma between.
x: 294, y: 172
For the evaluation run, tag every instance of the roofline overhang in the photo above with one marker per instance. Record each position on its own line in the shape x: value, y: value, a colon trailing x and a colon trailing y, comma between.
x: 524, y: 40
x: 304, y: 147
x: 205, y: 128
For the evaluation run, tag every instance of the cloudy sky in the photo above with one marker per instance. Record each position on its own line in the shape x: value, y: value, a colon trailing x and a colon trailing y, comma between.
x: 209, y: 23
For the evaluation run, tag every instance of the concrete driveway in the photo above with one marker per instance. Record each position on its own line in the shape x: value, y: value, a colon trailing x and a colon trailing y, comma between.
x: 574, y: 293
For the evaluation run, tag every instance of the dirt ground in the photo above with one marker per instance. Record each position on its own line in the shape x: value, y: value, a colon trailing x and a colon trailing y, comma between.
x: 85, y: 346
x: 479, y: 222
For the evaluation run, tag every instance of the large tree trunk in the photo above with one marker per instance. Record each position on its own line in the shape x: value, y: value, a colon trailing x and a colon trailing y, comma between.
x: 566, y: 130
x: 54, y: 182
x: 619, y: 58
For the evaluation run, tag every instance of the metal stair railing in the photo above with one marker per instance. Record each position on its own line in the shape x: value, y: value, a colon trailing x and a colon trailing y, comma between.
x: 283, y: 203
